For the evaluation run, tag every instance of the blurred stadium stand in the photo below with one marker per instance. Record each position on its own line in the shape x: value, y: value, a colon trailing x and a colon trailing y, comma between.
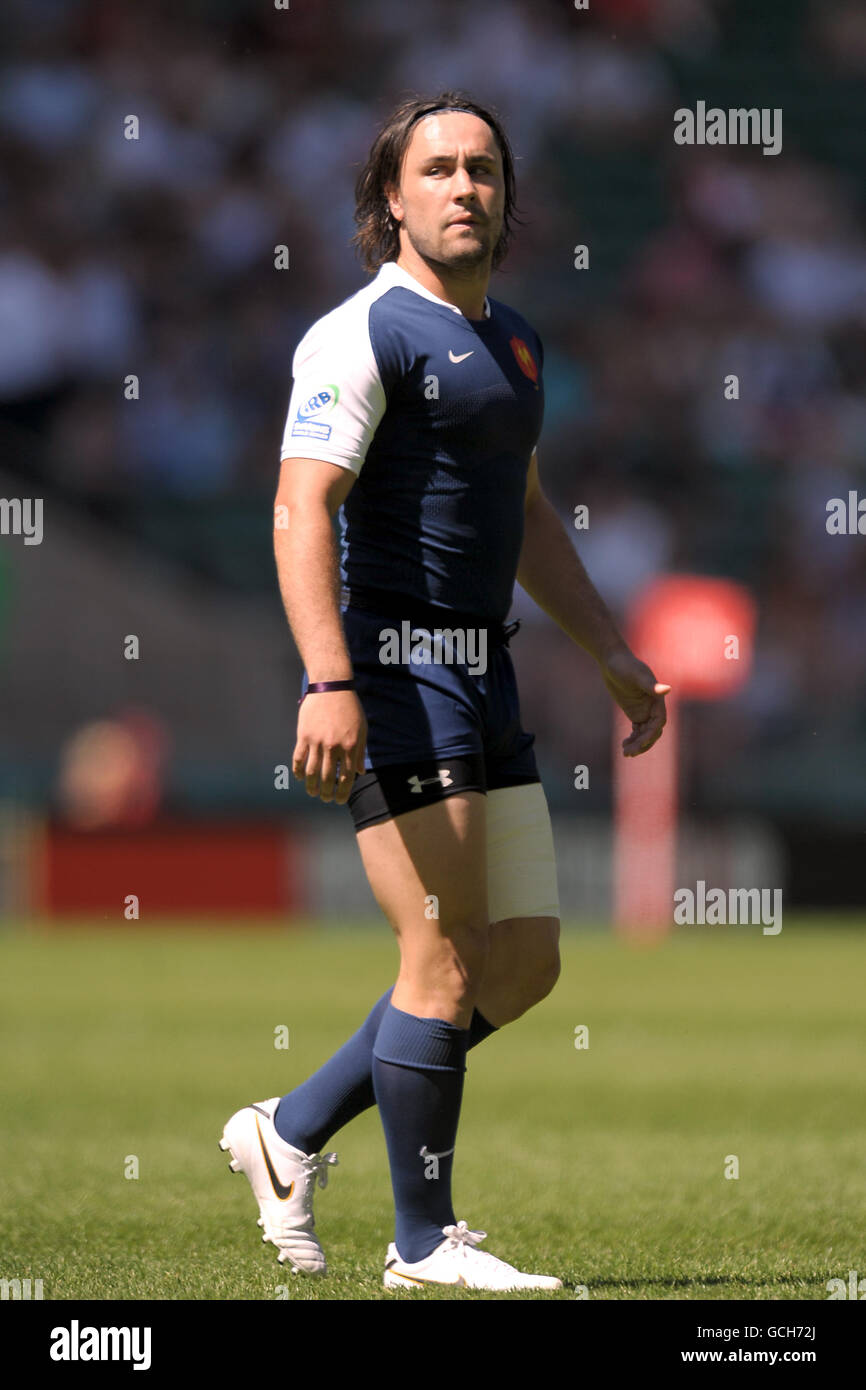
x: 155, y: 257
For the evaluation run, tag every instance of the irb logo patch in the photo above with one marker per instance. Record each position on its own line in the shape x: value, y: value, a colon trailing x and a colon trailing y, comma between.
x: 308, y: 418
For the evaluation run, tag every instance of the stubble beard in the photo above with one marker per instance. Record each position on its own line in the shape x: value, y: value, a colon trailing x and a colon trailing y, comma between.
x: 461, y: 259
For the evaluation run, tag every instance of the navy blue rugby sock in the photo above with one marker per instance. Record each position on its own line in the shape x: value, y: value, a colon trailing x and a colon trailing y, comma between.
x: 418, y: 1070
x: 343, y: 1088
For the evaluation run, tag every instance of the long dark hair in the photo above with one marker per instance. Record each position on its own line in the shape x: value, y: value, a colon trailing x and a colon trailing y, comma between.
x: 377, y: 239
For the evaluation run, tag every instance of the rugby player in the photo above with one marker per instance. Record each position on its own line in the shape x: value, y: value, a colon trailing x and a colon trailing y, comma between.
x: 415, y: 412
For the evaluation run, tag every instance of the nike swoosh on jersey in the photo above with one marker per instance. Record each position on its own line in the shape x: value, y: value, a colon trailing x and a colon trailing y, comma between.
x: 283, y: 1192
x: 461, y: 358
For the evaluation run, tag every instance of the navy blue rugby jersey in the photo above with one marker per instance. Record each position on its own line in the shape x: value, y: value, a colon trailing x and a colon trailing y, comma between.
x: 438, y: 415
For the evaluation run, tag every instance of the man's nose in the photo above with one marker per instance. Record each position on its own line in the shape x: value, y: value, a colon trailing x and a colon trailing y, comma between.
x: 463, y: 184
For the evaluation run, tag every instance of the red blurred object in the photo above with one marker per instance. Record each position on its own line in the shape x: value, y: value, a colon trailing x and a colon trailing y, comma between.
x: 687, y: 627
x: 645, y: 831
x: 112, y: 772
x: 221, y: 870
x: 697, y: 634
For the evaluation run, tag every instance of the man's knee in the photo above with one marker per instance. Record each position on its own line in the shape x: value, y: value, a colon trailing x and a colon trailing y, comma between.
x: 548, y: 972
x: 450, y: 965
x: 544, y: 965
x: 462, y: 955
x: 523, y: 967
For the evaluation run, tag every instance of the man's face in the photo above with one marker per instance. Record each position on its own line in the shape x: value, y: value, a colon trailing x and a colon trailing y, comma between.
x: 452, y: 172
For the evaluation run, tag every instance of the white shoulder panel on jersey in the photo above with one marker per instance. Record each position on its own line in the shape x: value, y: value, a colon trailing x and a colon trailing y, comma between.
x: 337, y: 398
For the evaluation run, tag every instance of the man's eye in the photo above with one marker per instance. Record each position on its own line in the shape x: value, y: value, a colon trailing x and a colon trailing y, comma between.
x: 476, y: 169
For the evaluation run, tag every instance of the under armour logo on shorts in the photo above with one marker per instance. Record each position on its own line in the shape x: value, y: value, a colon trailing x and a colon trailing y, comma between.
x: 443, y: 777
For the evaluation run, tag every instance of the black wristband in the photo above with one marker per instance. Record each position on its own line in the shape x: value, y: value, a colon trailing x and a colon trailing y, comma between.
x: 319, y: 686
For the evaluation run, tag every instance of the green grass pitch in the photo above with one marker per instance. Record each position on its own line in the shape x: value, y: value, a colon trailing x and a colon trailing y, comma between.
x: 604, y: 1165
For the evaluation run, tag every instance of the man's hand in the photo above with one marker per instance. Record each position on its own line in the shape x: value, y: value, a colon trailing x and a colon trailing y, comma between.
x: 332, y: 729
x: 639, y: 695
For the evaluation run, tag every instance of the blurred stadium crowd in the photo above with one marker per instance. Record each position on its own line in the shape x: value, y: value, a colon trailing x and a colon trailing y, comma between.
x: 156, y: 257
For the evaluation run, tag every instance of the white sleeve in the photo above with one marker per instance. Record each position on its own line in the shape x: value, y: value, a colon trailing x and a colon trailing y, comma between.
x: 337, y: 396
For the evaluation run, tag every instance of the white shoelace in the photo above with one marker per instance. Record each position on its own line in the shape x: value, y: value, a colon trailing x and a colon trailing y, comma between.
x: 316, y: 1166
x: 461, y: 1239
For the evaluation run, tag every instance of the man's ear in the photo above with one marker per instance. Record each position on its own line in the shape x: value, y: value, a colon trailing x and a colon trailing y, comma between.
x: 392, y: 195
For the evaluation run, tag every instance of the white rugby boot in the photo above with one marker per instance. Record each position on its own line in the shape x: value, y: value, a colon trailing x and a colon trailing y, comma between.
x: 283, y: 1180
x: 457, y: 1261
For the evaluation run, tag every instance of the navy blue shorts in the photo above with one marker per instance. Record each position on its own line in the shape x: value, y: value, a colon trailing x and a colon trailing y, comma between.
x: 436, y: 727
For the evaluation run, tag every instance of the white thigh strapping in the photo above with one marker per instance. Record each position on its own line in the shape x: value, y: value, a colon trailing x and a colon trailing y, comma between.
x: 521, y: 863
